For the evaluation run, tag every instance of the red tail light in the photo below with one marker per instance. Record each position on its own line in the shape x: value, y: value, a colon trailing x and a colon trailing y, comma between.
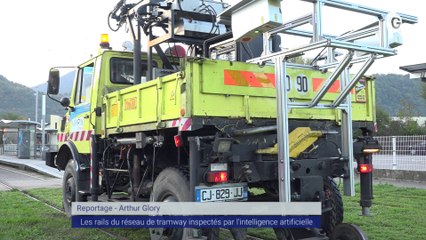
x: 366, y: 168
x: 178, y: 140
x: 217, y: 177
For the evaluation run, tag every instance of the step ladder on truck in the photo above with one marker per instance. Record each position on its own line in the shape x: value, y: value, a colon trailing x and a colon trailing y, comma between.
x: 237, y: 110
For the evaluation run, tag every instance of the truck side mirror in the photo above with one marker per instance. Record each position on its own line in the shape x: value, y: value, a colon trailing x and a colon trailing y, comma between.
x: 53, y: 82
x: 65, y: 102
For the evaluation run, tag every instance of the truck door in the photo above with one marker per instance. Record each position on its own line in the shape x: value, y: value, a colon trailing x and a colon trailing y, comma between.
x: 80, y: 127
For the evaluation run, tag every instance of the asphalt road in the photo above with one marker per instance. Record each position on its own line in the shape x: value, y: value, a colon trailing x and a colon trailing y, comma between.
x: 24, y: 180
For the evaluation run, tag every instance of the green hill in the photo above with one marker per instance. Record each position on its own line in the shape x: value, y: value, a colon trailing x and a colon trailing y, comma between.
x: 20, y: 100
x: 395, y: 93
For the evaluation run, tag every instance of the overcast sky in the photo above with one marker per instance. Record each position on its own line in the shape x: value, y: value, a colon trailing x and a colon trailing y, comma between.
x: 36, y: 35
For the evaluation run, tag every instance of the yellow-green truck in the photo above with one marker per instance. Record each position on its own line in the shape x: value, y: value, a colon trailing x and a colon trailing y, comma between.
x: 226, y: 109
x: 202, y: 125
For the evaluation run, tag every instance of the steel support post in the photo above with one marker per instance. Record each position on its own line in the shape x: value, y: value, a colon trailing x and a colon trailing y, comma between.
x: 317, y: 21
x: 149, y: 57
x: 282, y: 131
x: 347, y: 139
x: 137, y: 62
x: 136, y: 36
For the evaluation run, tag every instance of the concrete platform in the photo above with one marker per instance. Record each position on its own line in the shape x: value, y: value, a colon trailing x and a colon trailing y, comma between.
x: 37, y: 165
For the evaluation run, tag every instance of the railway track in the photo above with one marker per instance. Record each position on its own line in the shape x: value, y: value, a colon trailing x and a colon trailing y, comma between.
x: 8, y: 186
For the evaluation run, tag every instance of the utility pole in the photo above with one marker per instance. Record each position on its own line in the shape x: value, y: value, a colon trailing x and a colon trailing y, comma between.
x: 36, y: 106
x: 43, y: 118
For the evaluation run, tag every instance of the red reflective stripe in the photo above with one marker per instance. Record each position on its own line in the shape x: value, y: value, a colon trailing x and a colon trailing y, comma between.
x: 186, y: 125
x: 76, y: 136
x: 89, y: 134
x: 271, y: 78
x: 318, y: 82
x: 229, y: 79
x: 175, y: 123
x: 252, y: 79
x: 248, y: 79
x: 335, y: 88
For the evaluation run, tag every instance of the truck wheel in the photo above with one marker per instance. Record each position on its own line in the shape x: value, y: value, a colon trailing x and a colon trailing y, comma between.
x: 171, y: 185
x: 346, y: 231
x: 239, y: 233
x: 334, y: 205
x: 69, y: 186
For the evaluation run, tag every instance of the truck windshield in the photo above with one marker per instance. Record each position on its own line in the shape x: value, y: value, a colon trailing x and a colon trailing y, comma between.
x: 122, y: 70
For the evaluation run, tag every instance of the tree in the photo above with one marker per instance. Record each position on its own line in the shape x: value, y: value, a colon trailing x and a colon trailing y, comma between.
x: 12, y: 116
x: 406, y: 111
x: 383, y: 121
x: 404, y: 125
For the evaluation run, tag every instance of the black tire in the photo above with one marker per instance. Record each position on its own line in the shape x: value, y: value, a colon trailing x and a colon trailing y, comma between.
x: 334, y: 204
x: 69, y: 186
x: 283, y: 233
x: 171, y: 185
x: 239, y: 233
x: 348, y: 232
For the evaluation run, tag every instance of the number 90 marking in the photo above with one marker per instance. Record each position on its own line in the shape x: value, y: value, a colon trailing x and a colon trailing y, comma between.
x: 302, y: 84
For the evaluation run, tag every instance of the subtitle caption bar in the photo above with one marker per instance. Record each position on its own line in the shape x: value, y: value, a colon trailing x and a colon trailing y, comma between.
x: 196, y: 209
x: 196, y: 221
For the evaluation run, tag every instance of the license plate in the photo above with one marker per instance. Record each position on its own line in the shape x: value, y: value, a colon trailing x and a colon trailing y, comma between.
x: 229, y: 192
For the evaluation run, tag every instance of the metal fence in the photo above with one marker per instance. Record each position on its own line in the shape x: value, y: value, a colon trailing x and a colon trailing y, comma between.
x: 10, y: 148
x: 401, y: 153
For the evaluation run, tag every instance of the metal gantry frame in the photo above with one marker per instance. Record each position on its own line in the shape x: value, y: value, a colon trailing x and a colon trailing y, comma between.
x: 341, y: 68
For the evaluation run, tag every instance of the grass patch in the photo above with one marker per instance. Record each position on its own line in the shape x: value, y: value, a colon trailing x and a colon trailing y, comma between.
x: 397, y: 213
x: 23, y: 218
x: 51, y: 196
